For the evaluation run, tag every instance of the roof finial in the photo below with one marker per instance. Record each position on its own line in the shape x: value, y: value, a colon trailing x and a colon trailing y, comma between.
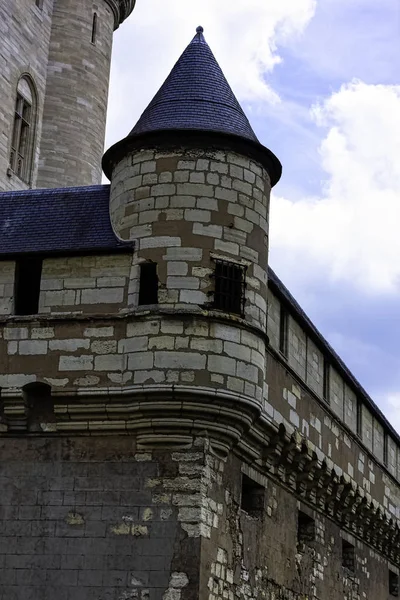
x: 199, y: 29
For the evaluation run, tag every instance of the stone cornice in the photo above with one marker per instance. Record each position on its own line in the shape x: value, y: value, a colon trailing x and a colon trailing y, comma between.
x: 171, y: 417
x: 121, y: 10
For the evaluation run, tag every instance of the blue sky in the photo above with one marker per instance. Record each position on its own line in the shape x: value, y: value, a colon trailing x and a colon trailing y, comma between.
x: 320, y: 83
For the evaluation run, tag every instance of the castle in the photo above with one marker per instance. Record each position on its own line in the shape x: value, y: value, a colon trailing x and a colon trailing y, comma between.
x: 172, y: 424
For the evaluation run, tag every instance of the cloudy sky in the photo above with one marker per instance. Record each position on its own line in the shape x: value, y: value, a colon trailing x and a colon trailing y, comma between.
x: 320, y: 83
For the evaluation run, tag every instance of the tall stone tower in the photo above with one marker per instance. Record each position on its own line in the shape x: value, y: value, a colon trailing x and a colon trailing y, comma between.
x: 54, y: 87
x: 191, y: 185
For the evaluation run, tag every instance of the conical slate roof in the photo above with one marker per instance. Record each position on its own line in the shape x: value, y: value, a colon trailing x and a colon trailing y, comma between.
x: 196, y: 95
x: 195, y: 107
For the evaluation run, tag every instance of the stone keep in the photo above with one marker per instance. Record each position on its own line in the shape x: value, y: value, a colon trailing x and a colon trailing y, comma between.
x: 190, y: 185
x: 66, y: 52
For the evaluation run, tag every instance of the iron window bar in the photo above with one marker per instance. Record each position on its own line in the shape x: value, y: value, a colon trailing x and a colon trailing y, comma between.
x: 230, y: 286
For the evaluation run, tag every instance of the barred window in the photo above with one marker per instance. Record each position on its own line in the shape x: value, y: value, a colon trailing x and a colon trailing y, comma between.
x: 22, y: 140
x: 230, y: 284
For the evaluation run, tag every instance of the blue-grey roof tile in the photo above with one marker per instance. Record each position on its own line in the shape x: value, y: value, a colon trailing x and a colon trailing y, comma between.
x: 56, y: 220
x: 196, y: 96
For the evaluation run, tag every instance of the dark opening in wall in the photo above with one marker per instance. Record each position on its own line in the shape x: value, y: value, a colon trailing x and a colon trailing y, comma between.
x: 39, y: 3
x: 28, y: 272
x: 230, y: 285
x: 40, y: 405
x: 283, y: 331
x: 253, y: 495
x: 305, y: 528
x: 94, y: 28
x: 326, y: 380
x: 385, y: 449
x: 348, y: 556
x: 359, y: 418
x: 393, y: 584
x: 148, y: 285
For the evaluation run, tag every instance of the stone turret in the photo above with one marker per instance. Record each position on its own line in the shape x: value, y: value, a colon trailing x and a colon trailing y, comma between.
x: 190, y: 185
x: 74, y: 115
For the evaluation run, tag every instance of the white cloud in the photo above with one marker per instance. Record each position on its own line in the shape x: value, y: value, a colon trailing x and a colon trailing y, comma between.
x: 351, y: 232
x: 243, y: 34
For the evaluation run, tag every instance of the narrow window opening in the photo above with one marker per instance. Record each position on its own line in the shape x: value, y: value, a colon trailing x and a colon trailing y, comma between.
x: 283, y: 331
x: 148, y: 285
x: 39, y: 4
x: 22, y: 137
x: 393, y: 584
x: 348, y: 556
x: 385, y: 450
x: 94, y: 29
x: 305, y: 528
x: 253, y: 495
x: 359, y: 418
x: 230, y: 284
x: 40, y: 405
x: 27, y: 286
x: 326, y: 381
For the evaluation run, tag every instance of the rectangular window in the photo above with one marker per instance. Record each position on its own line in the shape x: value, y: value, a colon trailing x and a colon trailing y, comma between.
x: 148, y: 285
x: 393, y: 584
x: 326, y: 381
x: 305, y: 528
x: 28, y: 273
x: 230, y: 284
x: 283, y: 331
x: 348, y: 556
x: 253, y: 495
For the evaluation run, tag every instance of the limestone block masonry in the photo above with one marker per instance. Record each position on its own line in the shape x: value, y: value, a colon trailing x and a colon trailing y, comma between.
x: 76, y: 94
x: 23, y: 50
x: 67, y: 59
x: 184, y: 210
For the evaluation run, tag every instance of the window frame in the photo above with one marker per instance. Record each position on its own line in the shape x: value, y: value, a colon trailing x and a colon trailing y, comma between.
x: 226, y: 286
x: 23, y: 131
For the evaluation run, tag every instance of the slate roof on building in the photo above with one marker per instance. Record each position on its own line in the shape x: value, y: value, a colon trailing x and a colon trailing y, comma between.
x: 50, y: 221
x: 196, y: 95
x: 77, y: 220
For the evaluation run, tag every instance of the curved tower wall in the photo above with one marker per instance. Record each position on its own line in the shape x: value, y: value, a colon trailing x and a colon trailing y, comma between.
x: 184, y: 209
x: 74, y: 115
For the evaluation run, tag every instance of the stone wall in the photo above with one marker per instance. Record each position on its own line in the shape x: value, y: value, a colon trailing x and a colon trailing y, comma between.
x: 85, y: 284
x: 75, y: 284
x: 24, y: 45
x: 306, y: 359
x: 185, y: 208
x: 264, y: 555
x: 76, y: 94
x: 89, y: 518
